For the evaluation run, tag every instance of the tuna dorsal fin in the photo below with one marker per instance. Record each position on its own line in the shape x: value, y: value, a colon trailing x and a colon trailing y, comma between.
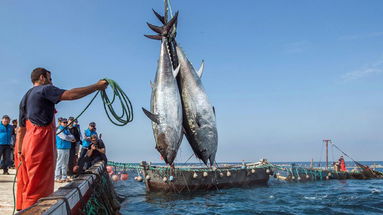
x: 201, y: 68
x: 175, y: 72
x: 214, y: 110
x: 151, y: 116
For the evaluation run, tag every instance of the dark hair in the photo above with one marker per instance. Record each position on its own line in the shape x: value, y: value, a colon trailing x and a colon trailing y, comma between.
x: 15, y: 120
x: 36, y: 73
x: 6, y: 117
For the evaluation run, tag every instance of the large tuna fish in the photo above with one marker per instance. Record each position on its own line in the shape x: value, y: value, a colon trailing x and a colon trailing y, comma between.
x: 166, y: 107
x: 198, y: 114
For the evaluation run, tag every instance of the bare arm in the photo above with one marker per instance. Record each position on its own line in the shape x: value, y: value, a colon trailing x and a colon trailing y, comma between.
x: 78, y: 93
x: 19, y: 138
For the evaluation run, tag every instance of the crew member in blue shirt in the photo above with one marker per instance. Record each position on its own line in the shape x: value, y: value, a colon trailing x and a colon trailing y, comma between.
x: 6, y: 131
x: 63, y: 143
x: 87, y: 139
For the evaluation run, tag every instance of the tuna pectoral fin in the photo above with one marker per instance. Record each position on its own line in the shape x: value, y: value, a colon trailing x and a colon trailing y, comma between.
x: 155, y: 118
x: 154, y: 37
x: 201, y: 68
x: 175, y: 72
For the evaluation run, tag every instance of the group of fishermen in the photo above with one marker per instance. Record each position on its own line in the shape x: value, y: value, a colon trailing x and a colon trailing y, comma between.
x: 71, y: 160
x: 7, y: 142
x: 35, y: 149
x: 340, y: 165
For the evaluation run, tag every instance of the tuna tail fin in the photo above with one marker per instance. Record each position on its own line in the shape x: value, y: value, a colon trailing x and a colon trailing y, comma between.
x: 161, y: 18
x: 151, y: 116
x: 164, y: 30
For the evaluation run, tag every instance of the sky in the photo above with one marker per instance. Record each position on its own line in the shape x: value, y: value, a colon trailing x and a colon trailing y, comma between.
x: 282, y: 75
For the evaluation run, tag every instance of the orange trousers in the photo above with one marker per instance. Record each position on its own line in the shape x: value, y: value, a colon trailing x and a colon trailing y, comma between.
x: 35, y: 177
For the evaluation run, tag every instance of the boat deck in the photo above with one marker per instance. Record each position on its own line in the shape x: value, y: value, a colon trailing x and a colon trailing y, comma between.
x: 6, y: 194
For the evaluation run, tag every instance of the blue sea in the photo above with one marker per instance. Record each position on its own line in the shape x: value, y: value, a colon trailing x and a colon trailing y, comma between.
x: 320, y: 197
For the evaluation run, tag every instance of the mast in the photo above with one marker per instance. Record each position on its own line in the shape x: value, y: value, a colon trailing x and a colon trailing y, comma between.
x: 326, y: 142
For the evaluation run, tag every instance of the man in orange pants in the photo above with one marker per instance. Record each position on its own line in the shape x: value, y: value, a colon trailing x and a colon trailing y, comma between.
x: 36, y: 136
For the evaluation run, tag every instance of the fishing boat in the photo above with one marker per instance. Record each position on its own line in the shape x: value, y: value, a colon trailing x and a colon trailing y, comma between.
x: 196, y: 178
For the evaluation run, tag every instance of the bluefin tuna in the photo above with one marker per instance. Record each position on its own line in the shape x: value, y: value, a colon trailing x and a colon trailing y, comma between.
x: 199, y: 120
x: 166, y: 108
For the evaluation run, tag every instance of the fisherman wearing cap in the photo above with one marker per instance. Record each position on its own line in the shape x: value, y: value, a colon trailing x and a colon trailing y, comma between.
x: 6, y: 131
x: 87, y: 140
x: 36, y: 135
x: 64, y: 141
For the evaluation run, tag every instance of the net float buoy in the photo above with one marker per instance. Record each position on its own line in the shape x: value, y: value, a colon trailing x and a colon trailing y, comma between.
x: 221, y: 174
x: 165, y: 179
x: 147, y: 177
x: 205, y: 174
x: 139, y: 178
x: 195, y: 175
x: 299, y: 178
x: 329, y: 174
x: 171, y: 178
x: 307, y: 176
x: 228, y: 173
x: 124, y: 176
x: 327, y: 178
x: 115, y: 178
x: 109, y: 169
x: 253, y: 171
x: 268, y: 171
x: 293, y: 178
x: 135, y: 178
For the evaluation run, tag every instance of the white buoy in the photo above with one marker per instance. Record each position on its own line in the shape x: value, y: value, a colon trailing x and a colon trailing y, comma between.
x: 135, y: 178
x: 171, y: 178
x: 221, y: 174
x: 139, y: 178
x: 299, y: 178
x: 147, y: 177
x: 268, y: 171
x: 253, y: 171
x: 307, y: 176
x: 195, y: 175
x: 214, y: 168
x: 293, y: 177
x: 329, y: 174
x: 228, y: 173
x: 165, y: 179
x: 205, y: 174
x: 327, y: 178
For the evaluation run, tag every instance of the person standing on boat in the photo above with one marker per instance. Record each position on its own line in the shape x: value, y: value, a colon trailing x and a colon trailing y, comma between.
x: 74, y: 129
x: 342, y: 164
x: 6, y: 131
x: 35, y: 141
x: 64, y: 140
x: 88, y: 133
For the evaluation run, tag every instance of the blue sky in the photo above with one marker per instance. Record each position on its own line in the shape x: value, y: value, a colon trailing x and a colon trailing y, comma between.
x: 282, y: 75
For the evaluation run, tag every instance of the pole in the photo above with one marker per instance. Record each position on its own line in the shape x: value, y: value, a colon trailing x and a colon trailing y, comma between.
x: 326, y: 142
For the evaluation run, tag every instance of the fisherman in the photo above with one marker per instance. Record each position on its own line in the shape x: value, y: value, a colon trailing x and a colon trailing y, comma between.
x: 74, y: 129
x: 95, y: 154
x: 35, y: 136
x: 64, y: 141
x: 342, y: 164
x: 6, y: 131
x: 86, y: 141
x: 13, y: 142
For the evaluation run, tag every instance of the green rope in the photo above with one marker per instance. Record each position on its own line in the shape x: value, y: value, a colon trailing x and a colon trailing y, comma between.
x: 126, y: 106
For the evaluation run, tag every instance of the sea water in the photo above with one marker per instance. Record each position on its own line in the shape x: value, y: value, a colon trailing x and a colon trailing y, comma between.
x: 319, y: 197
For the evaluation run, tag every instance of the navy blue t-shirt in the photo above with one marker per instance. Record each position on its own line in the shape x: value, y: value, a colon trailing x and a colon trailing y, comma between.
x: 38, y: 105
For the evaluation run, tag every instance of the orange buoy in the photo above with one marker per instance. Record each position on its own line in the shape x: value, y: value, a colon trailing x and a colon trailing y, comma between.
x: 109, y: 169
x: 124, y: 176
x: 115, y: 178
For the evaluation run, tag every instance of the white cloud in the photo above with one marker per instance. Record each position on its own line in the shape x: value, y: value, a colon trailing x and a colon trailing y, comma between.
x: 371, y: 69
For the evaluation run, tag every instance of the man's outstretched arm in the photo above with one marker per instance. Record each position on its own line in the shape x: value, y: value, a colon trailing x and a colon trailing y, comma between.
x: 78, y: 93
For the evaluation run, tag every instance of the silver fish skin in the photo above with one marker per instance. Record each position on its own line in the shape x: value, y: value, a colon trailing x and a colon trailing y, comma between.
x: 166, y: 108
x: 199, y: 115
